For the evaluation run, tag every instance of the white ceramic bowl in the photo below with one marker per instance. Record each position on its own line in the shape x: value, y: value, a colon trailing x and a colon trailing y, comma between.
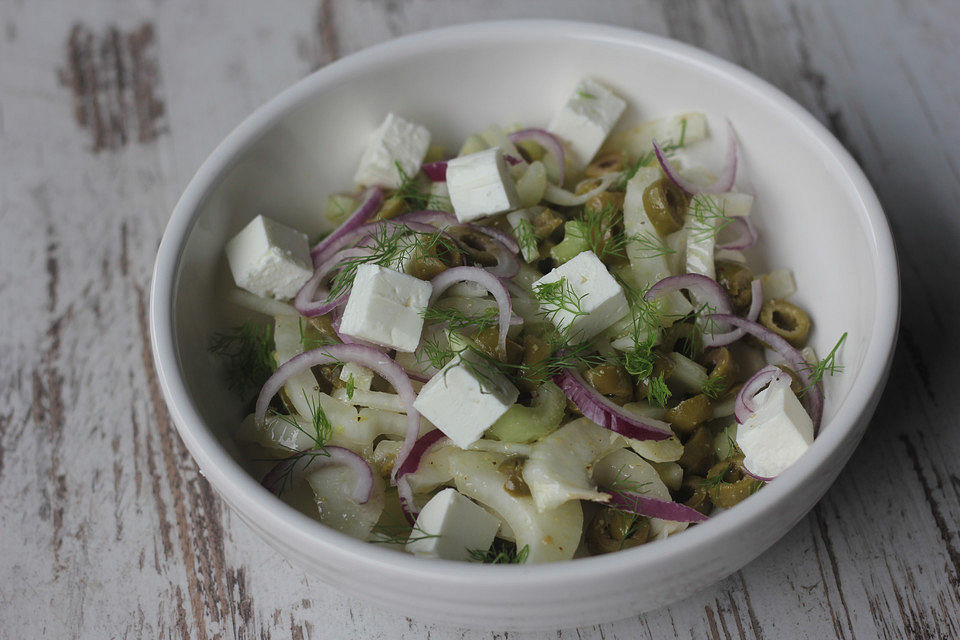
x: 816, y: 212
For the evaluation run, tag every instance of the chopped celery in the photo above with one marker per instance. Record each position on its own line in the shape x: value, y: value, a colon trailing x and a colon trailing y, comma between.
x: 526, y: 424
x: 574, y: 242
x: 472, y: 144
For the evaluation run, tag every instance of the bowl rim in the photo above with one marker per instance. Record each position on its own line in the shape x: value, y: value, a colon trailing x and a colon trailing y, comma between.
x: 246, y: 495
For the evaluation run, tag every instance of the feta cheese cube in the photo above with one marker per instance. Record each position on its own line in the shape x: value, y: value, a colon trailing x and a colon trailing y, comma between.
x: 480, y: 185
x: 395, y: 142
x: 450, y: 525
x: 777, y: 434
x: 586, y: 119
x: 270, y: 259
x: 386, y: 307
x: 464, y: 399
x: 589, y: 301
x: 523, y: 231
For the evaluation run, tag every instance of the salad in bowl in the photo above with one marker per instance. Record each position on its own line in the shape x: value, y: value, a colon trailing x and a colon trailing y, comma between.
x: 551, y: 344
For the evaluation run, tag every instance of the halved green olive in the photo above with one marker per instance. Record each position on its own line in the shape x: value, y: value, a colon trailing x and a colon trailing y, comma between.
x: 688, y: 414
x: 488, y: 341
x: 693, y: 493
x: 477, y: 247
x: 613, y: 530
x: 736, y: 279
x: 427, y: 263
x: 391, y: 208
x: 727, y: 485
x: 720, y: 366
x: 612, y: 381
x: 666, y: 206
x: 786, y: 320
x: 515, y: 485
x: 698, y: 454
x: 545, y: 222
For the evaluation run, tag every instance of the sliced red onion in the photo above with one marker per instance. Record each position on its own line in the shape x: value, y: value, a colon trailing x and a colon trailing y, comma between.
x: 435, y: 171
x: 813, y: 399
x: 607, y: 414
x: 445, y: 279
x: 512, y: 160
x: 300, y: 463
x: 746, y: 234
x: 308, y: 302
x: 746, y: 472
x: 388, y: 369
x: 724, y: 181
x: 707, y: 290
x: 654, y: 507
x: 546, y: 140
x: 756, y: 303
x: 363, y: 213
x: 503, y: 238
x: 363, y: 232
x: 744, y: 406
x: 421, y: 447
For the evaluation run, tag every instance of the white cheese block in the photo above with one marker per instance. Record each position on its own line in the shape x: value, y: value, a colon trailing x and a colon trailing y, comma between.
x: 395, y: 142
x: 450, y: 525
x: 465, y: 398
x: 270, y: 259
x: 480, y: 185
x: 594, y: 298
x: 585, y: 120
x: 386, y: 307
x: 776, y: 435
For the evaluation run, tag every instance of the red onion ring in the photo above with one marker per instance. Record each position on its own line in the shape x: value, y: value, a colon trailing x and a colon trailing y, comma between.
x: 445, y: 279
x: 362, y: 489
x: 813, y: 399
x: 435, y: 171
x: 306, y: 300
x: 354, y: 220
x: 744, y: 406
x: 512, y: 160
x: 746, y: 234
x: 388, y: 369
x: 654, y: 507
x: 605, y: 413
x: 421, y: 447
x: 503, y: 238
x: 707, y: 289
x: 724, y: 181
x: 546, y: 140
x: 756, y: 303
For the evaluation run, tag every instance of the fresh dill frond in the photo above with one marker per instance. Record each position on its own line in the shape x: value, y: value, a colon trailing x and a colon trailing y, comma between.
x: 585, y: 94
x: 827, y: 365
x: 716, y: 479
x: 322, y: 428
x: 350, y: 387
x: 640, y: 360
x: 247, y: 351
x: 658, y: 393
x: 601, y: 234
x: 416, y: 196
x: 713, y: 387
x: 526, y: 237
x: 636, y: 521
x: 500, y: 552
x: 708, y: 217
x: 622, y: 482
x: 703, y: 324
x: 457, y: 320
x: 650, y: 244
x: 389, y: 245
x: 398, y: 532
x: 559, y: 296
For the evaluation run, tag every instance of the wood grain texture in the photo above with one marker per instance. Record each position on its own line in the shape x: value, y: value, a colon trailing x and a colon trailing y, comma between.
x: 107, y: 108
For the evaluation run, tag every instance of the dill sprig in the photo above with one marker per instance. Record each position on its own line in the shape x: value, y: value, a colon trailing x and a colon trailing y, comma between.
x: 389, y: 245
x: 622, y: 482
x: 500, y: 552
x: 559, y: 296
x: 322, y: 431
x: 587, y: 95
x: 827, y: 365
x: 658, y: 393
x: 350, y: 387
x: 398, y: 532
x: 248, y: 353
x: 650, y: 244
x: 457, y: 320
x: 713, y: 387
x: 599, y: 230
x: 640, y: 360
x: 415, y: 196
x: 708, y: 216
x: 526, y: 237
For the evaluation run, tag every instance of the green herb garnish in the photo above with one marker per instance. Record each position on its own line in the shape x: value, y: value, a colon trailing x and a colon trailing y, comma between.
x: 500, y: 552
x: 657, y: 391
x: 248, y: 353
x: 827, y: 365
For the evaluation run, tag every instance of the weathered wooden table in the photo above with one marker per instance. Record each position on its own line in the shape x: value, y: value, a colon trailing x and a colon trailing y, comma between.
x: 106, y: 109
